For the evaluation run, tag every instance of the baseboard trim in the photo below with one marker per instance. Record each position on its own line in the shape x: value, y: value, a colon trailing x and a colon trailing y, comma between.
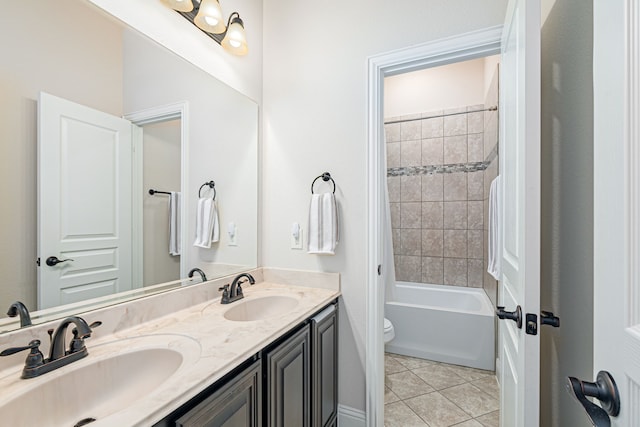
x: 350, y: 417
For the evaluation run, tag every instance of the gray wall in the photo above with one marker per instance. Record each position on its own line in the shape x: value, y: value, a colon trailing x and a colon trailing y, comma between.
x: 567, y: 207
x: 161, y: 171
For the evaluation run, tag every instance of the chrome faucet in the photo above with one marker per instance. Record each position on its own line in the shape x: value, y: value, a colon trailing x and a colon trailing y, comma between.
x: 36, y: 364
x: 18, y: 308
x: 235, y: 293
x: 200, y: 272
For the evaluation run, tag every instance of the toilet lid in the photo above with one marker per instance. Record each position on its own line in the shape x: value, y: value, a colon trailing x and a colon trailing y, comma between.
x: 387, y: 324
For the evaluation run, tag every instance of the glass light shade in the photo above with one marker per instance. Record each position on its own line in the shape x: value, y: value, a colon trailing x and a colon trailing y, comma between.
x: 209, y: 17
x: 180, y: 5
x: 235, y: 41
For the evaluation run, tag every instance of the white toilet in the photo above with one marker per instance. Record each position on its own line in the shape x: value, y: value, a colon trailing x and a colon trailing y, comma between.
x: 389, y: 332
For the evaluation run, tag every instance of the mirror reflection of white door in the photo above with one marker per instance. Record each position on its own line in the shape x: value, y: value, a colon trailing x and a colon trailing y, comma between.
x: 519, y: 352
x: 84, y: 202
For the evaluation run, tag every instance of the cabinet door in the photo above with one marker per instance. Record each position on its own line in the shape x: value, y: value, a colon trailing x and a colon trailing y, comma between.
x: 236, y: 404
x: 288, y: 382
x: 324, y: 401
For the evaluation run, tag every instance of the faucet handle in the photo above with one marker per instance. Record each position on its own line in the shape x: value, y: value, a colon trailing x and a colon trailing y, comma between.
x: 35, y: 357
x: 225, y: 294
x: 77, y: 343
x: 94, y: 325
x: 239, y: 288
x: 13, y: 350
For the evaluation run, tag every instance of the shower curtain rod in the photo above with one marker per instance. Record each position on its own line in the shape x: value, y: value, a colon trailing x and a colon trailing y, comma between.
x: 494, y: 108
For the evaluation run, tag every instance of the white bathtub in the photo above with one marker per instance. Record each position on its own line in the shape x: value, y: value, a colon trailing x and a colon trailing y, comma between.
x: 444, y: 323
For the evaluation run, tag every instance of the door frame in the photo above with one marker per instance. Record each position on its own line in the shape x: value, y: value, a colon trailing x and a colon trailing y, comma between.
x: 476, y: 44
x: 178, y: 110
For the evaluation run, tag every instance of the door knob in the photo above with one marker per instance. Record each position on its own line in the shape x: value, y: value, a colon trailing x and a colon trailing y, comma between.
x: 516, y: 315
x: 548, y: 318
x: 53, y: 260
x: 605, y: 390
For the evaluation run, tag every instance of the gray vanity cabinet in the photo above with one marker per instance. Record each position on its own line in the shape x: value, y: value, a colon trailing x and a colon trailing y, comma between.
x: 324, y: 363
x: 236, y: 404
x: 288, y: 379
x: 302, y: 375
x: 293, y: 382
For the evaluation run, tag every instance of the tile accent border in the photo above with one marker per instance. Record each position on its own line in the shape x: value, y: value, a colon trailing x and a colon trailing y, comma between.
x: 441, y: 169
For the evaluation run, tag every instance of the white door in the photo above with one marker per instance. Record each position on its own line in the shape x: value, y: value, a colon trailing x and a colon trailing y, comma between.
x: 519, y: 368
x: 616, y: 320
x: 84, y: 202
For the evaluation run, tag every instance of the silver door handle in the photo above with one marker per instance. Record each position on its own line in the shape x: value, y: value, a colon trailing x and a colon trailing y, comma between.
x: 605, y: 390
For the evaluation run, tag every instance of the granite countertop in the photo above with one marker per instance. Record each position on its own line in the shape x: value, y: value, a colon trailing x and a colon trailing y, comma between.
x: 211, y: 346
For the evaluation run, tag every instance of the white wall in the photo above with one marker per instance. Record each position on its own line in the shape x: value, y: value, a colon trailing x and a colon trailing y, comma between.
x: 567, y: 206
x: 44, y: 55
x: 315, y: 80
x: 449, y: 86
x: 167, y: 27
x: 222, y: 126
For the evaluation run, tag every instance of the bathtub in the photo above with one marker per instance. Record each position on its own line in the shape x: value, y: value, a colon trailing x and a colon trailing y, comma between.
x: 444, y: 323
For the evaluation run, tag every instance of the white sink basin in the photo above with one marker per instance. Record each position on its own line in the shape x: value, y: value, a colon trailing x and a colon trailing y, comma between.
x: 259, y: 308
x: 111, y: 378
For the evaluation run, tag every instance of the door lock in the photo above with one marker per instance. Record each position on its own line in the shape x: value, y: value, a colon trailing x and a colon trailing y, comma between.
x: 531, y: 324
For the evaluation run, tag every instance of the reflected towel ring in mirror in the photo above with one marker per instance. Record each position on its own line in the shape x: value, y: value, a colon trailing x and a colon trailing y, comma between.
x: 325, y: 177
x: 212, y: 185
x: 152, y: 192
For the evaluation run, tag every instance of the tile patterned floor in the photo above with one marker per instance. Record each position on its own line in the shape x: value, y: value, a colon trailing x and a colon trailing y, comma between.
x: 423, y: 393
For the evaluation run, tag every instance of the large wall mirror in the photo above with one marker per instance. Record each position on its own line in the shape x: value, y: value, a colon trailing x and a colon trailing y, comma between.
x: 94, y: 115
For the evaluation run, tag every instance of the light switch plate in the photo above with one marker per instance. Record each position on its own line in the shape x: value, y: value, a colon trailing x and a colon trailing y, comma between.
x: 232, y: 231
x: 296, y: 236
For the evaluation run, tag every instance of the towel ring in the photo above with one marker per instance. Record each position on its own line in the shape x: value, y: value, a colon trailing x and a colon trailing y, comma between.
x: 211, y: 184
x: 325, y: 177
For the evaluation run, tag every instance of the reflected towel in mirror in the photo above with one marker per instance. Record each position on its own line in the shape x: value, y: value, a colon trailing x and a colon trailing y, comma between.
x: 323, y: 224
x: 207, y: 224
x: 174, y: 224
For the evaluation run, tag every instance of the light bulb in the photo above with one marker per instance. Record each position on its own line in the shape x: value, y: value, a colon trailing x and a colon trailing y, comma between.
x: 180, y: 5
x: 209, y: 17
x: 235, y: 41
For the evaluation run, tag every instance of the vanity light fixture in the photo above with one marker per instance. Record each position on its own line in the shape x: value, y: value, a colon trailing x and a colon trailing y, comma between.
x: 207, y: 16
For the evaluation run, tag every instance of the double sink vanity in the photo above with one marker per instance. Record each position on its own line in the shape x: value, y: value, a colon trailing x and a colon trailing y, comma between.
x: 183, y: 358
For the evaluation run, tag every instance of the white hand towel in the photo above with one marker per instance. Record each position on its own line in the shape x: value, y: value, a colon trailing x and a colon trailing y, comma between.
x: 207, y: 224
x: 494, y: 244
x: 323, y: 224
x: 175, y: 235
x: 215, y: 225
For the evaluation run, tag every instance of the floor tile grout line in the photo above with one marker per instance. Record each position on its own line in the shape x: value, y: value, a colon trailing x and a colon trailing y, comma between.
x: 452, y: 371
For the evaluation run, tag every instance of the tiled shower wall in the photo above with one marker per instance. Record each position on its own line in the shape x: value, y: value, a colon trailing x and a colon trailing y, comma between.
x: 438, y: 193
